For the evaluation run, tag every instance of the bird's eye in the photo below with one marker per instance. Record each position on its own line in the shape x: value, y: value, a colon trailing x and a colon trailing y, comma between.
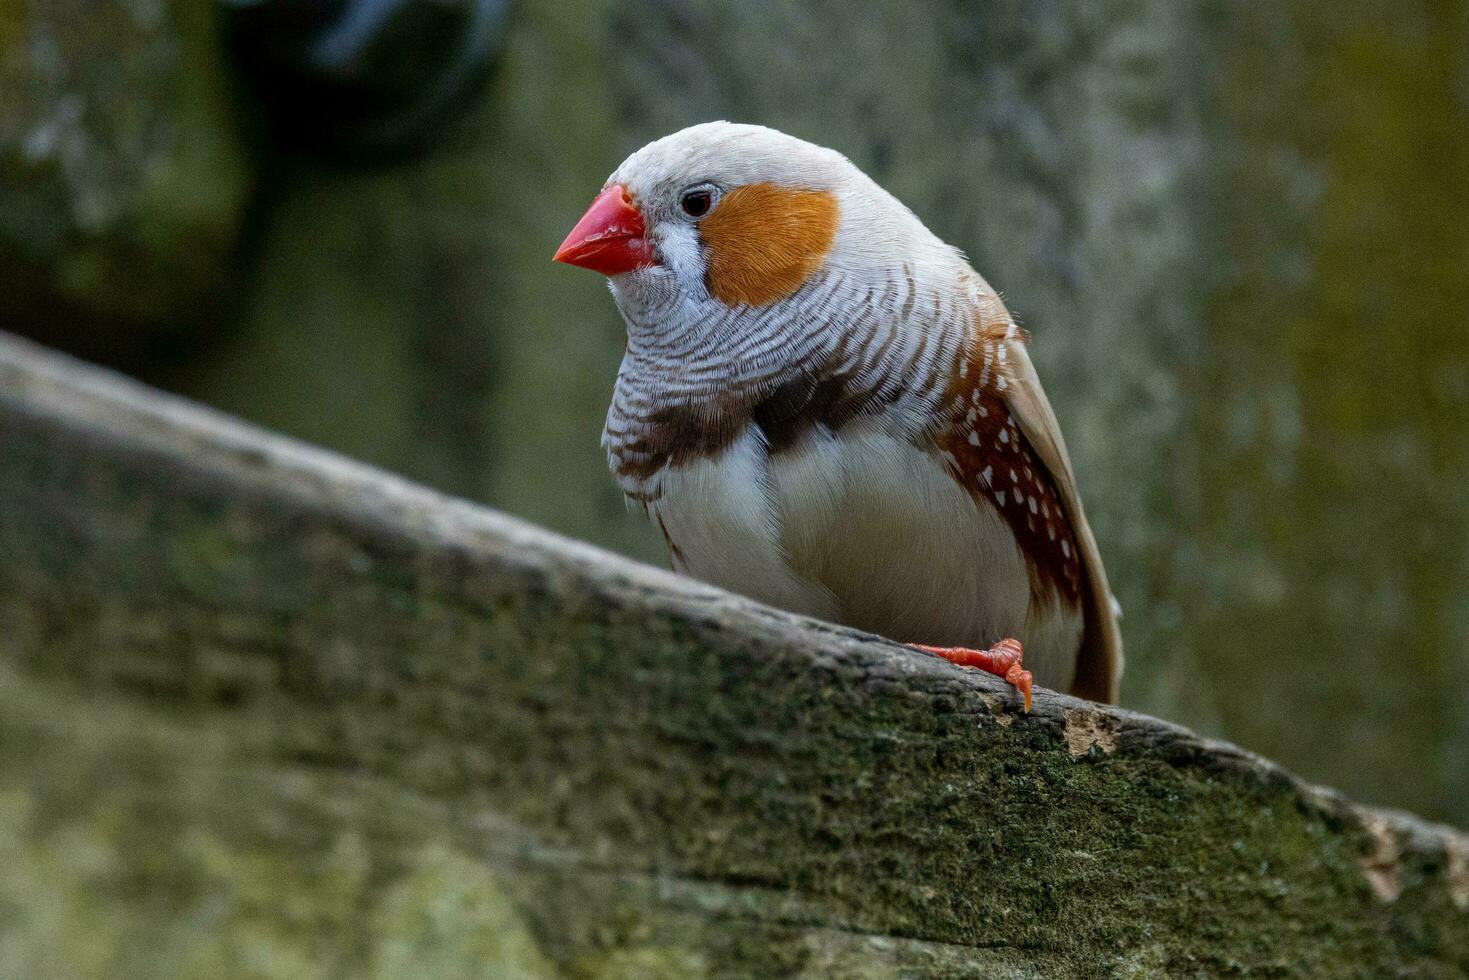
x: 695, y: 201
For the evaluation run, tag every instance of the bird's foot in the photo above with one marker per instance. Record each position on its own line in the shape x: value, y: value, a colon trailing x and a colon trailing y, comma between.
x: 1002, y: 660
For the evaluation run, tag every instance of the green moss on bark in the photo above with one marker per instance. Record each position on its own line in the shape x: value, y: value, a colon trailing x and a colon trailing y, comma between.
x: 304, y: 701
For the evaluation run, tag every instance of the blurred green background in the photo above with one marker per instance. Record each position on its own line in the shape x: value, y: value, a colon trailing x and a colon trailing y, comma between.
x: 1239, y: 234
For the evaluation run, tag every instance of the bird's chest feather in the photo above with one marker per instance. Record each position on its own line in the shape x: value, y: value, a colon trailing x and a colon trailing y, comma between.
x: 860, y: 527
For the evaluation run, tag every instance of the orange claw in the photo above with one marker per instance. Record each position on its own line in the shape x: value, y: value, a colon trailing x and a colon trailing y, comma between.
x: 1003, y: 660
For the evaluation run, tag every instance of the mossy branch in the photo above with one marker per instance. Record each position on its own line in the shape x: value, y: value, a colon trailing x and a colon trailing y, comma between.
x: 270, y: 711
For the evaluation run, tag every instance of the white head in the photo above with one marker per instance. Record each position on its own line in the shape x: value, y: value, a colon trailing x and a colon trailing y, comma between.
x: 723, y: 216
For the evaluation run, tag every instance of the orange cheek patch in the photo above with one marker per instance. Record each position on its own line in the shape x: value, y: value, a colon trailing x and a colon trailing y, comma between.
x: 764, y: 241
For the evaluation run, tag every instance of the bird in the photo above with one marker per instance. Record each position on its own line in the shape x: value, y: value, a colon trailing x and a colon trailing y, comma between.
x: 822, y: 406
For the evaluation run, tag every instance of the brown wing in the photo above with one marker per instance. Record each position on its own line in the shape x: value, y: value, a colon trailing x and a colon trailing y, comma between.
x: 1001, y: 438
x: 1099, y: 663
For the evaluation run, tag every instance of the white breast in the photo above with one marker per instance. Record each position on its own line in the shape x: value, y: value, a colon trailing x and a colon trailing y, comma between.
x: 720, y: 515
x: 865, y: 529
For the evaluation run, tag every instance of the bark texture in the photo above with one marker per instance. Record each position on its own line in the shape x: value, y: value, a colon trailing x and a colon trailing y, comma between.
x: 269, y: 712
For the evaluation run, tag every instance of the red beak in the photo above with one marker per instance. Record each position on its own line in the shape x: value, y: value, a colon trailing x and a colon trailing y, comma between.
x: 609, y: 237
